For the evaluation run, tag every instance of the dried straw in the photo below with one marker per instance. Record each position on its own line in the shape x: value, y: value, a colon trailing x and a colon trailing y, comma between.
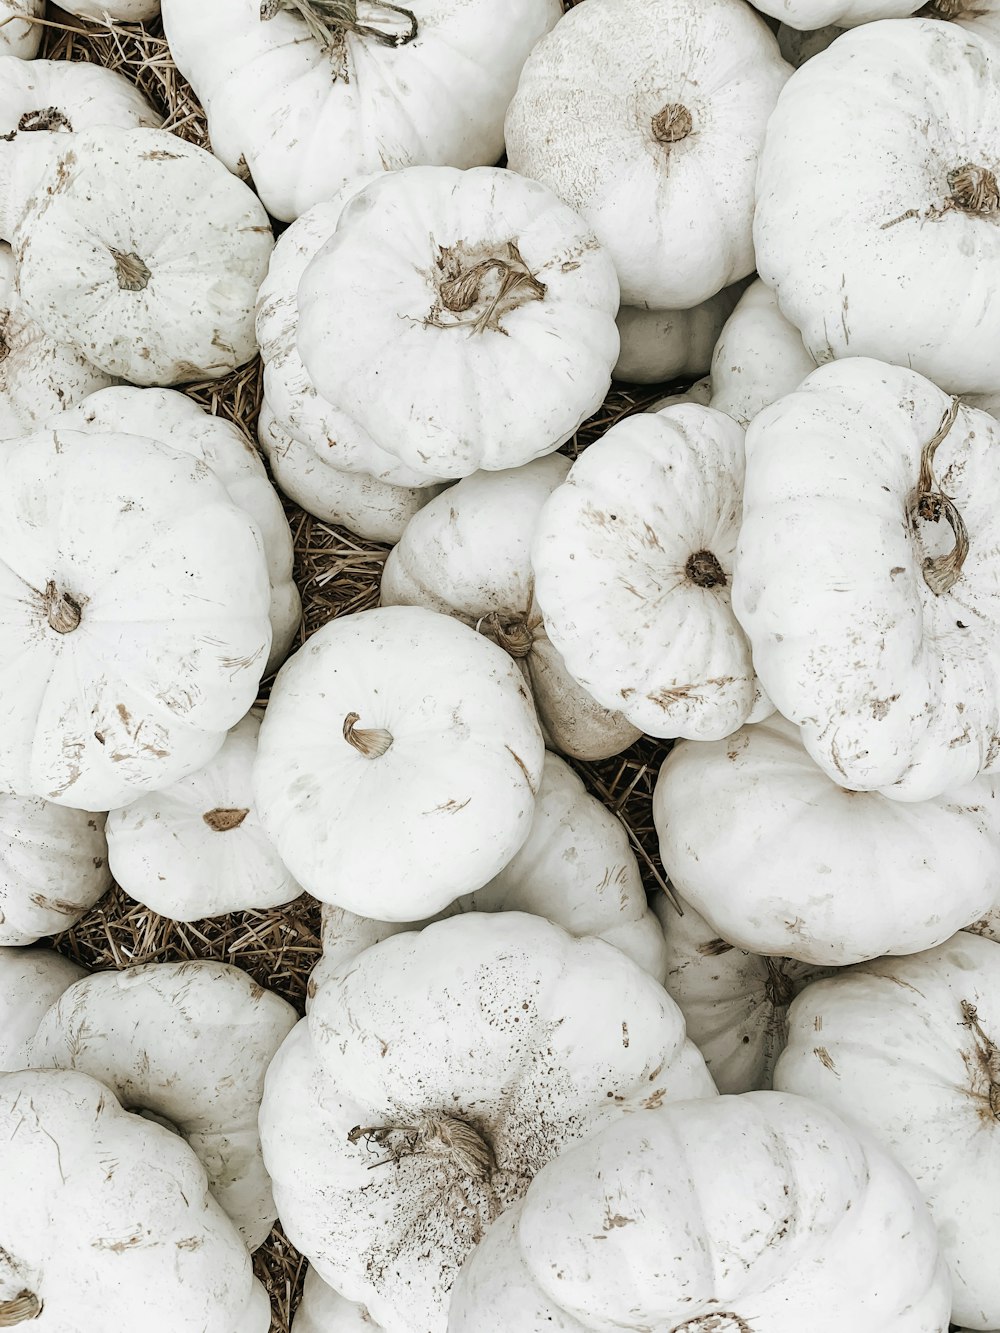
x: 337, y: 573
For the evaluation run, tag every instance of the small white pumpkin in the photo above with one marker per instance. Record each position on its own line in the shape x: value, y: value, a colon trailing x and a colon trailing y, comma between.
x: 700, y: 392
x: 812, y: 14
x: 18, y: 36
x: 632, y: 557
x: 783, y: 861
x: 483, y: 302
x: 30, y: 981
x: 866, y: 577
x: 309, y: 95
x: 177, y: 420
x: 108, y: 1219
x: 134, y: 624
x: 141, y: 250
x: 467, y: 554
x: 662, y: 345
x: 196, y: 848
x: 53, y: 867
x: 759, y: 357
x: 187, y: 1044
x: 66, y: 96
x: 122, y: 11
x: 398, y: 762
x: 323, y: 1310
x: 646, y: 117
x: 434, y: 1075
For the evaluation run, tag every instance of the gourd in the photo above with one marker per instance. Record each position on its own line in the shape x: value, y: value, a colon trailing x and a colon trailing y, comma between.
x: 310, y: 94
x: 66, y: 96
x: 398, y: 762
x: 783, y: 861
x: 662, y: 345
x: 467, y: 554
x: 908, y: 1048
x: 185, y: 1044
x: 155, y: 282
x: 764, y: 1211
x: 758, y: 358
x: 134, y: 621
x: 53, y: 867
x: 865, y: 577
x: 30, y: 981
x: 647, y: 117
x: 638, y: 540
x: 176, y: 420
x: 870, y: 264
x: 89, y: 1244
x: 18, y: 36
x: 196, y: 848
x: 490, y: 304
x: 435, y: 1073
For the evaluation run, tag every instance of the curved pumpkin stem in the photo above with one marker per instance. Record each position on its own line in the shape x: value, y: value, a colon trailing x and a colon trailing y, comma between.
x: 330, y: 20
x: 20, y: 1310
x: 931, y: 504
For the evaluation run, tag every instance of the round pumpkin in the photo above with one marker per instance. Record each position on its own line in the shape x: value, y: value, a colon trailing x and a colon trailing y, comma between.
x: 866, y: 577
x: 196, y: 848
x: 783, y: 861
x: 134, y: 624
x: 66, y: 96
x: 122, y: 11
x: 323, y: 1310
x: 18, y: 35
x: 811, y: 14
x: 142, y: 251
x: 186, y: 1044
x: 647, y: 117
x: 109, y: 1221
x: 758, y: 358
x: 467, y: 554
x: 662, y: 345
x: 30, y: 981
x: 398, y: 762
x: 434, y: 1075
x: 909, y: 1048
x: 730, y: 1215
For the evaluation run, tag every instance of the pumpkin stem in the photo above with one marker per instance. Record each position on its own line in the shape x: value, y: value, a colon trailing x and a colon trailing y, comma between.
x: 704, y: 570
x: 371, y: 742
x: 722, y: 1321
x: 132, y: 273
x: 974, y: 189
x: 949, y: 10
x: 438, y: 1136
x: 989, y: 1054
x: 328, y: 21
x: 222, y: 820
x: 45, y: 118
x: 484, y: 289
x: 943, y: 571
x: 23, y: 1307
x: 672, y: 123
x: 509, y: 632
x: 62, y: 610
x: 779, y: 987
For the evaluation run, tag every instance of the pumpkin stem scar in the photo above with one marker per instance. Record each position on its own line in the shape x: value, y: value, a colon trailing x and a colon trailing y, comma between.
x: 132, y: 273
x: 672, y: 123
x: 509, y: 632
x: 704, y: 570
x: 329, y: 21
x: 223, y: 820
x: 23, y: 1307
x: 928, y: 503
x: 62, y: 610
x: 371, y: 742
x: 989, y: 1054
x: 475, y: 292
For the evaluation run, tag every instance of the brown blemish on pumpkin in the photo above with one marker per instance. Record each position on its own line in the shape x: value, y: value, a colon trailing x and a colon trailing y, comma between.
x: 60, y: 905
x: 613, y: 1220
x: 448, y: 807
x: 190, y: 1243
x: 825, y: 1059
x: 712, y: 948
x: 521, y: 765
x: 223, y: 819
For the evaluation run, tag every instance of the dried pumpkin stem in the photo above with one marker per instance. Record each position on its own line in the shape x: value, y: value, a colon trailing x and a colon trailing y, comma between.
x: 974, y: 189
x: 949, y: 11
x: 45, y: 118
x: 329, y: 21
x: 704, y: 570
x: 672, y: 123
x: 988, y: 1051
x: 224, y: 819
x: 509, y: 632
x: 23, y: 1307
x: 931, y: 504
x: 779, y: 987
x: 62, y: 610
x: 131, y: 271
x: 372, y: 742
x: 438, y: 1136
x: 463, y: 288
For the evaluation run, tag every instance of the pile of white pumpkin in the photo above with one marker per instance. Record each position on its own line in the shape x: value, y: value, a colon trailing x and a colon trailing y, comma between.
x: 522, y: 1098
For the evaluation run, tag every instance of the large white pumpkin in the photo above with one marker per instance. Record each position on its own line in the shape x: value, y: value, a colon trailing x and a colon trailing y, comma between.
x: 647, y: 116
x: 133, y: 616
x: 895, y: 256
x: 307, y: 101
x: 866, y: 577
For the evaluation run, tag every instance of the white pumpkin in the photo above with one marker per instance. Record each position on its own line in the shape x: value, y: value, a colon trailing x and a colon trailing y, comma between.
x: 176, y: 420
x: 811, y: 14
x: 662, y: 345
x: 757, y: 1212
x: 122, y: 11
x: 323, y: 1310
x: 38, y: 376
x: 196, y: 848
x: 108, y: 1219
x: 467, y: 554
x: 398, y: 762
x: 735, y: 1003
x: 142, y: 251
x: 637, y: 542
x: 66, y: 96
x: 186, y: 1044
x: 490, y: 304
x: 434, y: 1075
x: 575, y: 869
x: 866, y: 577
x: 18, y: 35
x: 647, y: 117
x: 867, y: 261
x: 133, y: 616
x: 909, y: 1048
x: 30, y: 981
x: 309, y: 101
x: 53, y: 867
x: 700, y: 392
x: 758, y: 358
x: 783, y: 861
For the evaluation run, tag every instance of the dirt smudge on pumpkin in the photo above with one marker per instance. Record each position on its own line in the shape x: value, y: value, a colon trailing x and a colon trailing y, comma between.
x: 825, y: 1059
x: 60, y: 905
x: 712, y: 948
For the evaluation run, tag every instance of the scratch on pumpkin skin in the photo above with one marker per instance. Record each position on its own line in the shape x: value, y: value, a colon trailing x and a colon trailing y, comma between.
x: 825, y: 1059
x: 521, y: 765
x: 451, y: 807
